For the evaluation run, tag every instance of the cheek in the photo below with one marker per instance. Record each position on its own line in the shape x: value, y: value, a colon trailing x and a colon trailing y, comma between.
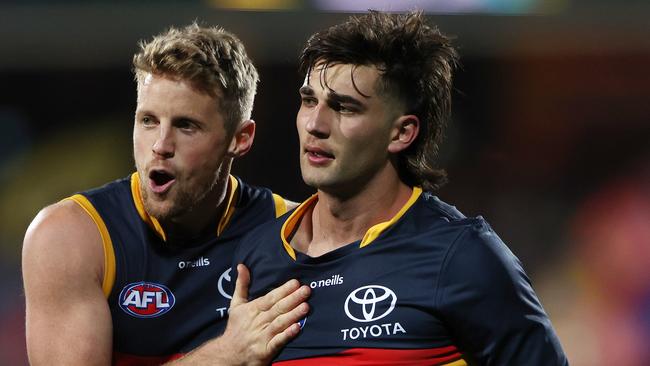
x: 204, y: 156
x: 300, y: 121
x: 139, y: 146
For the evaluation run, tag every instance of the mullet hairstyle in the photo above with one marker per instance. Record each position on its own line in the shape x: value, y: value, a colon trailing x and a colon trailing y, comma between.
x: 415, y: 61
x: 211, y: 59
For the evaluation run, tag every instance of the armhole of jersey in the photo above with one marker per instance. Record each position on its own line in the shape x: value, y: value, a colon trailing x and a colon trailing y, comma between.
x: 109, y: 252
x: 280, y: 205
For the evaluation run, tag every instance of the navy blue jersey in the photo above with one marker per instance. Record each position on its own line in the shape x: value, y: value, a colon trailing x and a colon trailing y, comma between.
x: 165, y: 299
x: 429, y: 287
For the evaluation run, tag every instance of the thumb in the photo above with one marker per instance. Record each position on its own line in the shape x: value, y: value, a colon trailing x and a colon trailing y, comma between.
x: 240, y: 296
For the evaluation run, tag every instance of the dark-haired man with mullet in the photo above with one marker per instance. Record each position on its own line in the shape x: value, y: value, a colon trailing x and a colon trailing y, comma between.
x: 398, y: 276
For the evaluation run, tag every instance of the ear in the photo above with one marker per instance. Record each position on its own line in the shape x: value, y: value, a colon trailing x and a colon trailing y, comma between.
x: 405, y: 131
x: 242, y: 140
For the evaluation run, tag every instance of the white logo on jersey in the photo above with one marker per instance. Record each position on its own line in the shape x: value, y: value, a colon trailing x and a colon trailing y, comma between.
x: 368, y: 302
x: 225, y: 276
x: 336, y: 279
x: 373, y: 331
x: 201, y: 262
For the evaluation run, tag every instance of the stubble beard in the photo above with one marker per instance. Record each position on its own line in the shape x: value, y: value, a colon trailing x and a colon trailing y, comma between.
x: 178, y: 203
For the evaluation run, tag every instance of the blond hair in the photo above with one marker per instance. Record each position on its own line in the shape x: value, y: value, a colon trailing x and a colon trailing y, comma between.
x: 213, y: 60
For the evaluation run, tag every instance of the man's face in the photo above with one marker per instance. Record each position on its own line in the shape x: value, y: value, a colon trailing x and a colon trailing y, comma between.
x: 179, y: 144
x: 344, y: 135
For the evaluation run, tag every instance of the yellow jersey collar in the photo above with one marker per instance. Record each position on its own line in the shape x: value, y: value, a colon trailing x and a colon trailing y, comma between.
x: 233, y: 191
x: 290, y: 226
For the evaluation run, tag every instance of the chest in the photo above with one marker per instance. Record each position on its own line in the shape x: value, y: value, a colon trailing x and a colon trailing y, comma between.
x: 373, y: 297
x: 179, y: 295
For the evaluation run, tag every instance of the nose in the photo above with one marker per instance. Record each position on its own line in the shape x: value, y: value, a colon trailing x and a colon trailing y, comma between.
x: 318, y: 121
x: 164, y: 145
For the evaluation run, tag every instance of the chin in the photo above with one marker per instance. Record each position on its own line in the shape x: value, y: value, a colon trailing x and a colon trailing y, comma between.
x: 161, y: 211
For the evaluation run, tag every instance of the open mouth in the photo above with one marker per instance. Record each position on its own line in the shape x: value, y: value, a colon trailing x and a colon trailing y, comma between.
x: 160, y: 180
x: 321, y: 154
x: 319, y: 157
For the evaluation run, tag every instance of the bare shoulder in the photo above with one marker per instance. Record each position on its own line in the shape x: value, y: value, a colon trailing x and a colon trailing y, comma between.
x: 63, y: 270
x: 63, y: 237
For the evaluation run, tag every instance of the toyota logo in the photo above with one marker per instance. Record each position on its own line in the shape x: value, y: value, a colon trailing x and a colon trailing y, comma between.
x: 370, y: 303
x: 225, y: 276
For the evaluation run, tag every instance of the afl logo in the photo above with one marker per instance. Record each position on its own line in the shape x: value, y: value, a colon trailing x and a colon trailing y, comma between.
x: 146, y: 299
x: 370, y: 303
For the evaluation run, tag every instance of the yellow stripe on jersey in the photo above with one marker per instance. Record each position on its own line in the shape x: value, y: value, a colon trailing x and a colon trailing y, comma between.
x: 460, y: 362
x: 292, y: 222
x: 137, y: 199
x: 107, y: 243
x: 376, y: 230
x: 230, y: 206
x: 280, y: 205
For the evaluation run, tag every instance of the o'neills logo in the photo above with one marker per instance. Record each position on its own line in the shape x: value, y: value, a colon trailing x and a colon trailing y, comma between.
x: 333, y: 281
x: 146, y: 299
x: 201, y: 262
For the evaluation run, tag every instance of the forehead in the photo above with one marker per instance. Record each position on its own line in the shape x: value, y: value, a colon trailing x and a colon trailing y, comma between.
x: 166, y: 88
x: 348, y: 79
x: 168, y: 95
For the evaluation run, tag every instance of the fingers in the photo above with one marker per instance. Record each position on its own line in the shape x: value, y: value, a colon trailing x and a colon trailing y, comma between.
x: 285, y: 327
x: 240, y: 296
x: 267, y: 301
x: 281, y: 339
x: 281, y: 322
x: 286, y: 305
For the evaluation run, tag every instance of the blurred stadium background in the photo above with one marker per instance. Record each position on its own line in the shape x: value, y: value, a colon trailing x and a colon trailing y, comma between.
x: 550, y: 138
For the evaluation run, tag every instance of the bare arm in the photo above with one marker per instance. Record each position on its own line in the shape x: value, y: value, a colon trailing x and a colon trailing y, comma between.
x: 257, y: 329
x: 68, y: 319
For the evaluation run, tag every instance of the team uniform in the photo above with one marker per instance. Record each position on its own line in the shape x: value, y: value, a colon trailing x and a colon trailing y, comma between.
x: 166, y: 300
x: 428, y: 287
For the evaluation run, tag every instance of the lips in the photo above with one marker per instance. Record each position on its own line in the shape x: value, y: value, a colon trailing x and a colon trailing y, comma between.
x: 318, y: 156
x: 161, y: 180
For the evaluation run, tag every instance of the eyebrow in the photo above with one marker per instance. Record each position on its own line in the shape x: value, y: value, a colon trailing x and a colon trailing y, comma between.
x: 333, y: 96
x: 344, y: 99
x: 181, y: 117
x: 306, y: 89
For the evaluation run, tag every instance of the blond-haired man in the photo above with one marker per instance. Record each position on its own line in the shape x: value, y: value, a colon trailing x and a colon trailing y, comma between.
x: 135, y: 272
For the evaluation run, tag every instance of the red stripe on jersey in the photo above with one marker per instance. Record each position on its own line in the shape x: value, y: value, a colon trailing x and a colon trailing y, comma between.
x: 123, y: 359
x: 379, y: 356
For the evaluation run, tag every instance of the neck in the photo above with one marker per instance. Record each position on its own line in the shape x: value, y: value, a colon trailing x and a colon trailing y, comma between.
x: 337, y: 220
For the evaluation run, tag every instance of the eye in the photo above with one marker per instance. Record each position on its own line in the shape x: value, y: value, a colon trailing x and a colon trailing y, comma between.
x: 309, y: 101
x: 147, y: 121
x: 186, y: 125
x: 342, y: 108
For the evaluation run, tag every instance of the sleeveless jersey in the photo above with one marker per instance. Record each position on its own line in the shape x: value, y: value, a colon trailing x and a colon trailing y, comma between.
x: 166, y: 300
x: 428, y: 287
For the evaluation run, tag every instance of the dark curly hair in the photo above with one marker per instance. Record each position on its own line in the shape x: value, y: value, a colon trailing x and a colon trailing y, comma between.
x: 416, y: 62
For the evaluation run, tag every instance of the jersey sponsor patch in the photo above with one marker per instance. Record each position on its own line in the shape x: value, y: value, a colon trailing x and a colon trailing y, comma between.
x: 146, y: 299
x: 370, y: 303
